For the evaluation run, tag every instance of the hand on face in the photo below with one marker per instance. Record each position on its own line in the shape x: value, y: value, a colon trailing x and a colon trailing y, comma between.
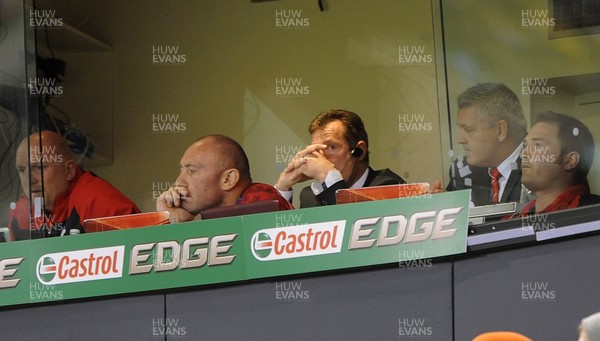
x: 290, y: 176
x: 309, y: 163
x: 313, y: 163
x: 172, y: 200
x: 173, y: 197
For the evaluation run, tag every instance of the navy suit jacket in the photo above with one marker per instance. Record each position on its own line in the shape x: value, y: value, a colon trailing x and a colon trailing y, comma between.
x: 327, y: 197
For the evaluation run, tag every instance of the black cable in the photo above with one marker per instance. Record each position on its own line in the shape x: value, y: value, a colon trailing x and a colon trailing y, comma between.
x: 446, y: 72
x: 48, y: 41
x: 39, y: 132
x: 5, y: 160
x: 65, y: 115
x: 321, y: 7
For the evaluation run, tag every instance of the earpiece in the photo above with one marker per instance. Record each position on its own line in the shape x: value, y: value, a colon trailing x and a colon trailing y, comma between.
x: 356, y: 152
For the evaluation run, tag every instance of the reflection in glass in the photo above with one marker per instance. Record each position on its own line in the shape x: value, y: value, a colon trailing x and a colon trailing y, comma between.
x: 516, y: 43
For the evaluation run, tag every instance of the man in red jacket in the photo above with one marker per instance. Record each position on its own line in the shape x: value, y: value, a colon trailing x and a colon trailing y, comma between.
x: 557, y: 156
x: 214, y: 172
x: 63, y: 195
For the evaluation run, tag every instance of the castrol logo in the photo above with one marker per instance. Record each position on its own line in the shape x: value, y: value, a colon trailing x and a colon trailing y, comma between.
x: 298, y: 241
x: 81, y: 265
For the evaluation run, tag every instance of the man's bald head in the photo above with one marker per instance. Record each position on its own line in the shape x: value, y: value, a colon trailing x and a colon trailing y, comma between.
x: 214, y: 170
x: 48, y: 143
x: 46, y: 153
x: 228, y: 152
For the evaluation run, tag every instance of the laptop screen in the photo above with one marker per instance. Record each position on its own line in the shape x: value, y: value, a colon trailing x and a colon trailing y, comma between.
x: 126, y: 221
x: 235, y: 210
x: 5, y: 234
x: 351, y: 195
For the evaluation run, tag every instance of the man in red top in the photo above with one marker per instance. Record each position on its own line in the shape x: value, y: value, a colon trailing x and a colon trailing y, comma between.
x: 214, y: 172
x: 557, y: 155
x: 63, y: 195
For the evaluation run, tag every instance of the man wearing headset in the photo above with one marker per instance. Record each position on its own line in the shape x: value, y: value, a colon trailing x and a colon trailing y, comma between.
x: 337, y: 158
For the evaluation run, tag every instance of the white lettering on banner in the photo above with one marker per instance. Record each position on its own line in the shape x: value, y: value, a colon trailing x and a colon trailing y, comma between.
x: 419, y: 227
x: 8, y: 273
x: 180, y: 255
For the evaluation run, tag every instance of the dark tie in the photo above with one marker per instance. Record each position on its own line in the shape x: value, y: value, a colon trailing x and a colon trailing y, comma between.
x: 496, y: 175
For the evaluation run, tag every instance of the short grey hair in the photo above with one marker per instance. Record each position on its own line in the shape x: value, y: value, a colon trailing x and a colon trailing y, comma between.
x: 495, y: 102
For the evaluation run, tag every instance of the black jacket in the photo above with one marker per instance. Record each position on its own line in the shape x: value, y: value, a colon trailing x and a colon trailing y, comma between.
x: 481, y: 184
x: 327, y: 197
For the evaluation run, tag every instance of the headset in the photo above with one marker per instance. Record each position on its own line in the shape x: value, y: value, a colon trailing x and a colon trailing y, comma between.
x: 356, y: 152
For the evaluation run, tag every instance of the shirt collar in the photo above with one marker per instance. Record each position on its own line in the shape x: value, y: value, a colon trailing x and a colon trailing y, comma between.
x: 510, y: 163
x: 360, y: 183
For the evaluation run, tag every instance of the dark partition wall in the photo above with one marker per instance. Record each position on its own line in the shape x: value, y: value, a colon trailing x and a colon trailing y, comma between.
x: 387, y: 304
x: 542, y: 291
x: 128, y: 318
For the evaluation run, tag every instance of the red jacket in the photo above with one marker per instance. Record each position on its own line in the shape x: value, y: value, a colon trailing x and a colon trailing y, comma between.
x: 89, y: 196
x: 263, y: 192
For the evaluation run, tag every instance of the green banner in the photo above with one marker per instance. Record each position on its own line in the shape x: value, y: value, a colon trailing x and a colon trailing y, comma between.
x: 234, y: 249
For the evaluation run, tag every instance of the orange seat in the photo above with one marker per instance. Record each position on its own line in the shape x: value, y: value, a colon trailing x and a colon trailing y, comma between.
x: 502, y: 336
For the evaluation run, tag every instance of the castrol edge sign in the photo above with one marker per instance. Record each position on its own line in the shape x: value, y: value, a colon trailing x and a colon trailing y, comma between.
x: 298, y: 241
x: 81, y: 265
x: 257, y: 246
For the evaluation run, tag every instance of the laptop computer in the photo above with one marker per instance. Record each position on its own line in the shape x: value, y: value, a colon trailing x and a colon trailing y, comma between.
x: 482, y: 214
x: 547, y: 226
x: 126, y: 221
x: 235, y: 210
x: 352, y: 195
x: 5, y: 234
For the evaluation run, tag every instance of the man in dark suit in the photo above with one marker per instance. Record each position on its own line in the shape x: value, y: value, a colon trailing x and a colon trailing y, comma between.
x: 491, y: 130
x: 337, y: 158
x: 478, y: 179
